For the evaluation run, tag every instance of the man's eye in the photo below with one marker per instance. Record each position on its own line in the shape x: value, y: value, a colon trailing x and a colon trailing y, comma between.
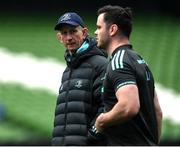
x: 73, y: 31
x: 63, y: 33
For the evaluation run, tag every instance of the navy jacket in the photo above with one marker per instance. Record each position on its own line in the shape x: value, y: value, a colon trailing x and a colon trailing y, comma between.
x: 79, y: 100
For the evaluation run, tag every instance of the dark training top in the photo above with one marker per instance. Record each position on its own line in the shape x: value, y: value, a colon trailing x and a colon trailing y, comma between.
x: 127, y: 67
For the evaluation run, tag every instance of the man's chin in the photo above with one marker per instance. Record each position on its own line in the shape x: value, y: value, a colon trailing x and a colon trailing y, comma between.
x: 71, y: 49
x: 100, y: 46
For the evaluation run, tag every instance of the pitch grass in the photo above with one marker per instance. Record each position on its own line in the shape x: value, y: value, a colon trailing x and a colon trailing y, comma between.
x: 170, y: 130
x: 14, y: 133
x: 156, y: 38
x: 31, y: 109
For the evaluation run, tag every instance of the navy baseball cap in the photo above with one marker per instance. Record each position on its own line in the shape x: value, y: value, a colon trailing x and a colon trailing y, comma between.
x: 70, y: 18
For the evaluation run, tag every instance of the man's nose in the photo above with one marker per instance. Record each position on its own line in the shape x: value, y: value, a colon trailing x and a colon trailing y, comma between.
x: 95, y: 32
x: 69, y: 36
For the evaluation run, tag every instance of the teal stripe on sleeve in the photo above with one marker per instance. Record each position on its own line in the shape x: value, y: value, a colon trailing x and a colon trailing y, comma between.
x: 125, y: 83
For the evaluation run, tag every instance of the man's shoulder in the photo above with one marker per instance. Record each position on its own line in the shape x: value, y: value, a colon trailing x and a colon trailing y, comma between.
x: 121, y: 59
x: 129, y: 56
x: 98, y: 62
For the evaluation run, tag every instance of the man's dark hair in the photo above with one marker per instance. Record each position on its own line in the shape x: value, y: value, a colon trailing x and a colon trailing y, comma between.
x: 120, y: 16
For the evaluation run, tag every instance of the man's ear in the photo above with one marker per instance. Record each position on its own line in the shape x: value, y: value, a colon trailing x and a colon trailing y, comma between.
x: 85, y: 32
x: 58, y: 35
x: 113, y: 29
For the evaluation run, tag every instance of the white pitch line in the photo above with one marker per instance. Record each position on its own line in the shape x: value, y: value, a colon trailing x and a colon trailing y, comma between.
x: 46, y: 74
x: 30, y: 71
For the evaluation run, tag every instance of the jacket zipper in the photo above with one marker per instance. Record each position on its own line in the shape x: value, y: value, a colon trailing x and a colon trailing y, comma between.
x: 66, y: 103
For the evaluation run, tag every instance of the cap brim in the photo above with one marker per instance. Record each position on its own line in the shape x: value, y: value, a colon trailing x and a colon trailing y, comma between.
x: 59, y: 25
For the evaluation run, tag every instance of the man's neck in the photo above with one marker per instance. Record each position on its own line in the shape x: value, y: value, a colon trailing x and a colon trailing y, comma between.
x: 116, y: 43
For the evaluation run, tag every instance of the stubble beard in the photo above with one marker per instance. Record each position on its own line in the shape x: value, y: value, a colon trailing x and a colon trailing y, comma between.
x: 104, y: 44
